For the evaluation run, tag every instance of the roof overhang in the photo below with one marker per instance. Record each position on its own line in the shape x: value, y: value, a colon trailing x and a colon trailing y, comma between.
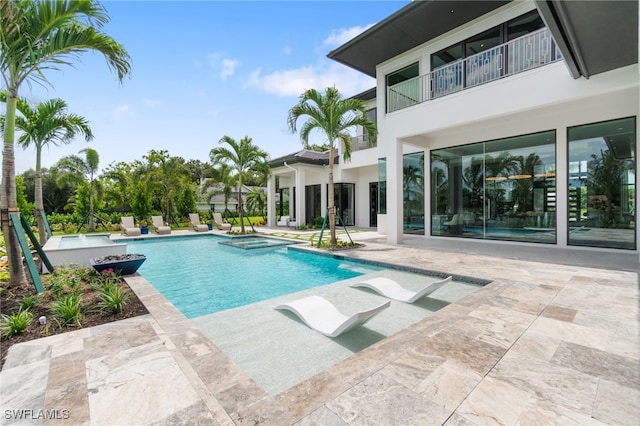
x: 304, y: 156
x: 414, y: 24
x: 593, y: 36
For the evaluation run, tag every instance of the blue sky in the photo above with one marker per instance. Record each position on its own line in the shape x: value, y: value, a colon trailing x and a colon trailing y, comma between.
x: 205, y: 69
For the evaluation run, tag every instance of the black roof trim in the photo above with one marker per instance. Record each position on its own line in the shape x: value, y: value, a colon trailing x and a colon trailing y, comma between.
x: 409, y: 27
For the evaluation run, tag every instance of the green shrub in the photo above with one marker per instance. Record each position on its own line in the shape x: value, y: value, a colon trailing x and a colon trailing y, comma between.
x: 16, y: 323
x: 113, y: 298
x: 68, y: 310
x: 27, y: 303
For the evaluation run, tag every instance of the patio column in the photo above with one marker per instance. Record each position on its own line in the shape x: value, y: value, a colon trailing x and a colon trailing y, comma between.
x: 394, y: 193
x: 300, y: 196
x: 271, y: 201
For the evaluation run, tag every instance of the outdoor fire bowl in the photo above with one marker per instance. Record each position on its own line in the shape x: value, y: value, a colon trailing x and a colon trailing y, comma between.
x: 123, y: 264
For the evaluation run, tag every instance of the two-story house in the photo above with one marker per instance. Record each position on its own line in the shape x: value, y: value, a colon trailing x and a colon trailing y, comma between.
x: 498, y: 120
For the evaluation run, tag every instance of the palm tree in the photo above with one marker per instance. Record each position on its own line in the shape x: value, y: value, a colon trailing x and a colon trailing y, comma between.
x: 243, y: 157
x: 168, y: 176
x: 47, y: 123
x: 334, y: 116
x: 257, y: 201
x: 36, y: 36
x: 79, y: 170
x: 222, y: 182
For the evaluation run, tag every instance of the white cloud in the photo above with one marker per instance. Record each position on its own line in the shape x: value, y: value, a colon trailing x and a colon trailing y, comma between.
x: 343, y: 35
x: 293, y: 82
x: 225, y: 66
x: 228, y: 68
x: 122, y: 111
x: 153, y: 103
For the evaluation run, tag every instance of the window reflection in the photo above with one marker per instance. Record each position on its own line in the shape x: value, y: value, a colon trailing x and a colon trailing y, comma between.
x: 498, y: 190
x: 413, y: 193
x: 602, y: 184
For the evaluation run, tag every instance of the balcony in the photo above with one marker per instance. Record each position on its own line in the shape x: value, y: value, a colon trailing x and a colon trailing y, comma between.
x: 360, y: 142
x: 522, y: 54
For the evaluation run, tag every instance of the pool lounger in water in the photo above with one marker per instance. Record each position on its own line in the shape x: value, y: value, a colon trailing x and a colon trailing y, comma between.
x: 320, y: 314
x: 391, y: 289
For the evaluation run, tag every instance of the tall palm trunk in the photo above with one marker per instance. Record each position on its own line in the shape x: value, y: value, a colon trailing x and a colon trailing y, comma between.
x: 332, y: 204
x: 240, y: 215
x: 92, y: 224
x: 39, y: 203
x: 8, y: 198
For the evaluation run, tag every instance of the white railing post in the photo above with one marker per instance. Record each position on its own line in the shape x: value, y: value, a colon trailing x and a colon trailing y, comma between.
x: 522, y: 54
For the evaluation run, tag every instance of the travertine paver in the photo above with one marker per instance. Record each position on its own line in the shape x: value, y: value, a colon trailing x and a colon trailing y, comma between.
x: 541, y: 344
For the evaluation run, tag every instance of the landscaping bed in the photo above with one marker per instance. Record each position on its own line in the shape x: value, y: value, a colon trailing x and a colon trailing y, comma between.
x: 74, y: 298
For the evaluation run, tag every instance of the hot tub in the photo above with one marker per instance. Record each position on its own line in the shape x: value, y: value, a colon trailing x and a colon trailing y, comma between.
x: 78, y: 249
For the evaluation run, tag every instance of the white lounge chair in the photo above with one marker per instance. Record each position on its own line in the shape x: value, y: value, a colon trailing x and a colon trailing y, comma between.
x: 128, y: 226
x: 194, y: 219
x: 284, y: 221
x: 391, y: 289
x: 159, y: 226
x: 320, y: 314
x: 219, y: 223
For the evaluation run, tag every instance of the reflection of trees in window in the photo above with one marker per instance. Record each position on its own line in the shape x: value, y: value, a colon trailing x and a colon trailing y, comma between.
x: 497, y: 171
x: 473, y: 178
x: 523, y: 179
x: 440, y: 186
x: 413, y: 188
x: 605, y: 177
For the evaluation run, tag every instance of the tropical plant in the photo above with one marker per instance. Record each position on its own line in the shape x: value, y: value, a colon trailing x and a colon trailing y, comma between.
x: 79, y: 170
x: 21, y: 196
x: 36, y: 36
x: 46, y: 123
x: 167, y: 176
x: 333, y: 116
x: 222, y: 182
x: 28, y: 302
x: 113, y: 298
x: 257, y: 201
x: 68, y: 309
x: 16, y: 323
x: 242, y: 157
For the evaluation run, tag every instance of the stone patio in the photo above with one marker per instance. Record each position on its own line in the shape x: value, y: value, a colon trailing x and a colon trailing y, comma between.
x: 543, y: 343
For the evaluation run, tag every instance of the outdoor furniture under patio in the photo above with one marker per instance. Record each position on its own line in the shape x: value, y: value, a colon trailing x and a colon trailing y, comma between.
x: 391, y: 289
x: 284, y: 221
x: 159, y: 226
x: 320, y: 314
x: 194, y: 220
x: 128, y: 226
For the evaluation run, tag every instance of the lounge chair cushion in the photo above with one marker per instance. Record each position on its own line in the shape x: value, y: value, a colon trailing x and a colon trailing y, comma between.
x: 128, y: 227
x: 219, y: 223
x: 159, y: 226
x: 194, y: 219
x: 322, y: 316
x: 391, y: 289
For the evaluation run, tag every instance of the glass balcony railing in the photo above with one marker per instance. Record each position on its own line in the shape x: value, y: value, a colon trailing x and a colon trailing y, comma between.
x: 522, y: 54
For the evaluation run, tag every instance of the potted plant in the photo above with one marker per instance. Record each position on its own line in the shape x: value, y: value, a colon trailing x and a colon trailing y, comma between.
x: 123, y: 264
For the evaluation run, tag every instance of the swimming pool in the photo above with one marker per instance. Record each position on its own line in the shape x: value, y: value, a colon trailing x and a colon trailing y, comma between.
x: 199, y: 276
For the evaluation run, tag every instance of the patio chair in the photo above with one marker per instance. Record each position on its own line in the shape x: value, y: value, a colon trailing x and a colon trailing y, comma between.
x: 456, y: 224
x: 159, y: 226
x: 322, y: 316
x: 391, y: 289
x: 284, y: 221
x: 194, y: 220
x: 219, y: 223
x: 128, y: 226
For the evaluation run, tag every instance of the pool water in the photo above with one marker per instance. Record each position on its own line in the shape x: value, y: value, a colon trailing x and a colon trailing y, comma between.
x: 95, y: 240
x: 199, y: 276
